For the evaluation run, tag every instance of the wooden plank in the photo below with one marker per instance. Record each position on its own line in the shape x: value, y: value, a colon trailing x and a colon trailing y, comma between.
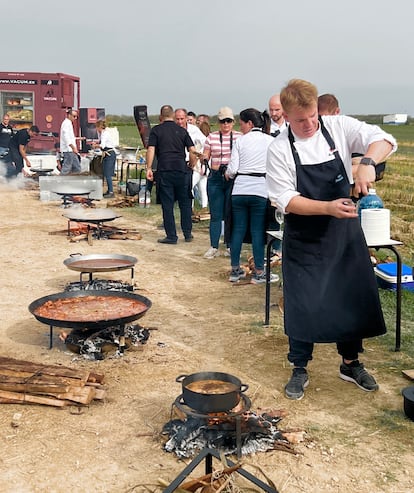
x: 409, y: 374
x: 16, y: 398
x: 27, y: 366
x: 28, y: 377
x: 82, y: 395
x: 37, y: 388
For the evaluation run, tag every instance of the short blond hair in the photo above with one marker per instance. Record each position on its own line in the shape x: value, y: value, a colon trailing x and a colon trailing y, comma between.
x: 298, y: 93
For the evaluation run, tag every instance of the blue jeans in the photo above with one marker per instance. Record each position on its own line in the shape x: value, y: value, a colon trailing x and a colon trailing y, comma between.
x: 218, y: 192
x: 248, y: 215
x: 108, y: 165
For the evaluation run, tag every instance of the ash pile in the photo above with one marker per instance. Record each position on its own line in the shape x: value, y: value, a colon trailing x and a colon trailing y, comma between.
x: 99, y: 284
x: 259, y: 433
x: 96, y: 345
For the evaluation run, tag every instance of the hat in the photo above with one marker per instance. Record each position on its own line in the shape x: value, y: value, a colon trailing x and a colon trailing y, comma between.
x: 225, y: 112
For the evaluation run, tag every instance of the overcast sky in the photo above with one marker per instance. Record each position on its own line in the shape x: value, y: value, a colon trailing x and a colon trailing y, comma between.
x: 202, y: 55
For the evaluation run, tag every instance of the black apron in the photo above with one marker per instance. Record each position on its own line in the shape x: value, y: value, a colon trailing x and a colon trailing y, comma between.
x: 330, y: 290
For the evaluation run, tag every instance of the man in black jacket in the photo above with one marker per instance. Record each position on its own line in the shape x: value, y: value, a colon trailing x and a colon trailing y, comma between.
x: 18, y: 145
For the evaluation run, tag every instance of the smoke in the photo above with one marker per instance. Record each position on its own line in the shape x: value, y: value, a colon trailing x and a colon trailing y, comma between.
x: 10, y: 181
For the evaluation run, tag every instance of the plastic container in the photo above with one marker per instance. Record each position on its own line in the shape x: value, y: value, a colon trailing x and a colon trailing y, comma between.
x: 144, y: 197
x: 370, y: 201
x: 387, y: 276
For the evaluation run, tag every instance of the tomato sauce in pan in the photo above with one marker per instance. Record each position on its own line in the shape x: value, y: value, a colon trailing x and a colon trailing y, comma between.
x: 90, y: 308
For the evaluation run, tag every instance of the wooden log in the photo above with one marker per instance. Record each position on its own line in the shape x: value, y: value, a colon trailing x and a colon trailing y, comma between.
x: 10, y: 364
x: 37, y: 388
x: 17, y: 398
x: 82, y: 395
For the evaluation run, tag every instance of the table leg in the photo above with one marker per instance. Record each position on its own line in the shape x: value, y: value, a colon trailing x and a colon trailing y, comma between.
x: 267, y: 299
x: 398, y: 301
x: 50, y: 336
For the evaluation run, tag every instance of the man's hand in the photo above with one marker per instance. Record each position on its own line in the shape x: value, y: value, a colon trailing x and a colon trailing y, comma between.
x: 342, y: 208
x: 364, y: 178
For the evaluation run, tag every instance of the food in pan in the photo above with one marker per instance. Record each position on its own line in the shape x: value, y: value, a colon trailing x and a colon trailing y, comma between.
x: 211, y: 387
x: 90, y: 308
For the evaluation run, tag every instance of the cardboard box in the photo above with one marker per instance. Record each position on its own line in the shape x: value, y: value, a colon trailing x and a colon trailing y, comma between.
x: 387, y: 276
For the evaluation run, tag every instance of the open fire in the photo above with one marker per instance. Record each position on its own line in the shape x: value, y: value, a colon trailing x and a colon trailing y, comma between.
x: 258, y: 433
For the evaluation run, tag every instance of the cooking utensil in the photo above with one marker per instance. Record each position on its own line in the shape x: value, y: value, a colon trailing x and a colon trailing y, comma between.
x: 99, y: 262
x: 408, y: 394
x: 81, y: 214
x: 69, y: 321
x: 211, y: 392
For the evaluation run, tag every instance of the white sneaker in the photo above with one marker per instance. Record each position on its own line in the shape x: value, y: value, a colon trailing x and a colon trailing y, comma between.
x: 227, y: 252
x: 212, y: 253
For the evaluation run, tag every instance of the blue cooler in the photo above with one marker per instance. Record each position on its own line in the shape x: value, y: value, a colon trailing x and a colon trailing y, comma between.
x: 387, y: 276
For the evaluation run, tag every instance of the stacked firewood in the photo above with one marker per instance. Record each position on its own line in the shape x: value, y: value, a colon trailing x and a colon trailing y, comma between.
x: 23, y: 382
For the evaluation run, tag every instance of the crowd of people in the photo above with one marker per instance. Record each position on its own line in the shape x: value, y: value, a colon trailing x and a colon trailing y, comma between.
x: 297, y: 157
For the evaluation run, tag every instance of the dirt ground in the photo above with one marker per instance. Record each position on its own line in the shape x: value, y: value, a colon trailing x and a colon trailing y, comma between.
x: 202, y: 323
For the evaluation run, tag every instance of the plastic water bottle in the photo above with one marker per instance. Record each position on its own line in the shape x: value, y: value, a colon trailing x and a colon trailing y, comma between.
x: 370, y: 201
x: 142, y: 197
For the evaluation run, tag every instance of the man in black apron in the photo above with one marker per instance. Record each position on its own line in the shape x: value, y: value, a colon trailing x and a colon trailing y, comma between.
x: 330, y: 291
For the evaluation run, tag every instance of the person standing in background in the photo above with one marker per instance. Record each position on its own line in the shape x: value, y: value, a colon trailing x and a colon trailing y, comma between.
x: 191, y: 117
x: 168, y: 142
x: 199, y: 180
x: 107, y: 147
x: 328, y: 104
x: 202, y: 117
x: 217, y: 150
x: 6, y: 133
x: 277, y: 120
x: 68, y: 148
x: 329, y: 287
x: 17, y: 146
x: 277, y: 125
x: 249, y: 193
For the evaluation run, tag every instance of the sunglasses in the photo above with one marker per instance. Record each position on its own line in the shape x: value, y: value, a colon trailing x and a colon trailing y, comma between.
x: 226, y: 120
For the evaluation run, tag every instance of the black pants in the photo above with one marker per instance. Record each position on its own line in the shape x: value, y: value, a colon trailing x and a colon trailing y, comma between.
x: 17, y: 159
x: 175, y: 186
x: 301, y: 352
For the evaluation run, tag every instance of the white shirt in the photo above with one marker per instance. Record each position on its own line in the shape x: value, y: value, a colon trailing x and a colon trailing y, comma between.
x: 67, y: 136
x: 106, y: 141
x: 349, y: 134
x: 274, y: 127
x: 249, y: 156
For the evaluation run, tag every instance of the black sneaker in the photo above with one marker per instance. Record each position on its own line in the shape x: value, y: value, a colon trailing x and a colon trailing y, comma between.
x: 295, y: 388
x: 167, y: 241
x: 108, y: 195
x: 357, y: 374
x: 189, y: 239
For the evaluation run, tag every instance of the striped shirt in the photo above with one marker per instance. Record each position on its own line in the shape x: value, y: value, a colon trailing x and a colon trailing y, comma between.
x: 220, y: 148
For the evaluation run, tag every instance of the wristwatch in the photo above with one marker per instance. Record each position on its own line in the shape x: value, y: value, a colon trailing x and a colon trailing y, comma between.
x: 367, y: 161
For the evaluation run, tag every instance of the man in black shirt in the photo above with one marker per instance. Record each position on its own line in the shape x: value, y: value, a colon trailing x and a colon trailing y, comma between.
x: 6, y: 132
x: 168, y: 142
x: 18, y: 145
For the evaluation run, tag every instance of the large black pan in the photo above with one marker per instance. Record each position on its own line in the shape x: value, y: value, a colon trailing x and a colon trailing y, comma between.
x: 87, y: 324
x: 99, y: 262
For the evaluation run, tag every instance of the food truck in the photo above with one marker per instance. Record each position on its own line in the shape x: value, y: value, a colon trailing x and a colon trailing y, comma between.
x: 36, y: 98
x: 42, y: 99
